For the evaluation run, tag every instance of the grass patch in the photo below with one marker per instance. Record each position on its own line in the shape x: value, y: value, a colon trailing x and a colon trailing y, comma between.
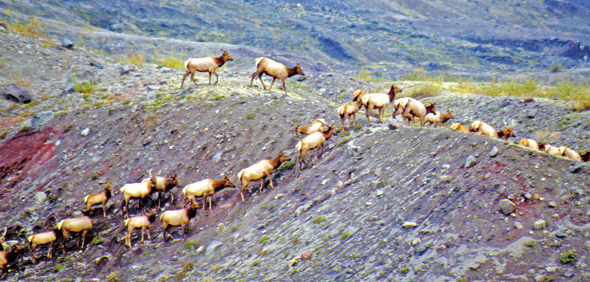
x: 288, y: 165
x: 87, y: 87
x: 319, y: 219
x: 250, y: 116
x: 404, y: 271
x: 264, y: 240
x: 170, y: 61
x: 531, y: 243
x: 31, y: 29
x: 555, y: 68
x: 62, y: 259
x: 568, y: 257
x: 345, y: 236
x: 97, y: 240
x: 422, y: 75
x: 370, y: 76
x: 191, y: 245
x: 133, y: 58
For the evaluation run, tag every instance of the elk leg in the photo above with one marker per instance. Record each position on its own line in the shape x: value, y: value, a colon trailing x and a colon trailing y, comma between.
x: 183, y: 78
x: 271, y: 83
x: 216, y: 77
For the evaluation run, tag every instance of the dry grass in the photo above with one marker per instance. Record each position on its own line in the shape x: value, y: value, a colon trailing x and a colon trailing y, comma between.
x: 575, y: 94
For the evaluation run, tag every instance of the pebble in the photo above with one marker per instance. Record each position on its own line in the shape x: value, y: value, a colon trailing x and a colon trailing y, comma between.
x: 539, y: 224
x: 560, y: 234
x: 40, y: 197
x: 416, y: 241
x: 552, y: 204
x: 409, y: 224
x: 494, y: 151
x: 470, y: 161
x: 421, y: 249
x: 551, y: 269
x: 528, y: 195
x: 85, y: 132
x: 507, y: 207
x: 576, y: 167
x: 518, y: 225
x: 212, y: 246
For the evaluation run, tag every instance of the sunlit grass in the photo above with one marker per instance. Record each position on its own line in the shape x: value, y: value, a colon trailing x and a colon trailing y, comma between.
x: 576, y: 94
x: 173, y: 61
x: 370, y: 76
x: 133, y: 58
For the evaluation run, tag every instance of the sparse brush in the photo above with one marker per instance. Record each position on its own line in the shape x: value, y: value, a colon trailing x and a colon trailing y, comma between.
x: 169, y: 61
x: 555, y: 68
x: 87, y: 87
x: 370, y: 76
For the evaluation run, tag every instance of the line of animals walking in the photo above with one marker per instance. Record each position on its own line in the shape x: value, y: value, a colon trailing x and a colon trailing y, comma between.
x: 315, y: 133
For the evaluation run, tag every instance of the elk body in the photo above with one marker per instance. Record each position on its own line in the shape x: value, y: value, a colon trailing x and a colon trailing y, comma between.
x: 207, y: 64
x: 79, y: 225
x: 205, y: 188
x: 98, y: 198
x: 275, y: 70
x: 260, y: 170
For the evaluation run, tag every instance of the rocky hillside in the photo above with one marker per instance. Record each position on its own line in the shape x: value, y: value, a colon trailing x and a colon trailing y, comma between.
x: 381, y: 204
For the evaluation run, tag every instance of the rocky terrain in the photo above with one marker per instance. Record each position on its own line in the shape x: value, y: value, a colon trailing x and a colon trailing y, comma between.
x: 381, y: 204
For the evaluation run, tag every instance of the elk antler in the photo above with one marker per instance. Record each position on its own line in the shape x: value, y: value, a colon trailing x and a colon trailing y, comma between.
x: 150, y: 172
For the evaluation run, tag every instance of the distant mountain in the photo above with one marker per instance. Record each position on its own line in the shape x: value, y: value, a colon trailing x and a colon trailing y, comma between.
x: 386, y: 36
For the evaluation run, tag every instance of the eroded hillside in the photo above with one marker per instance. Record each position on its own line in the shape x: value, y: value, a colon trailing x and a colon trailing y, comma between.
x: 380, y: 204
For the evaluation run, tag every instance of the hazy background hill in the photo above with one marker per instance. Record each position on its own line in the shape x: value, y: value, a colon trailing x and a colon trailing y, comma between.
x: 390, y: 37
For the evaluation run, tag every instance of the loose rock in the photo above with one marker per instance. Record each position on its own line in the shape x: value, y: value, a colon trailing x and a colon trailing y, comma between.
x: 507, y: 207
x: 539, y: 224
x: 470, y: 161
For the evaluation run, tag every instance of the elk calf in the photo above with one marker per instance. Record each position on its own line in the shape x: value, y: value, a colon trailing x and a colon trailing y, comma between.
x: 178, y: 217
x: 143, y: 221
x: 97, y: 198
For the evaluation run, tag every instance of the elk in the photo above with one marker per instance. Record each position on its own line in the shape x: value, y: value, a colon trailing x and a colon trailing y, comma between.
x: 439, y: 118
x: 260, y: 170
x: 376, y: 101
x: 79, y: 225
x: 164, y: 185
x: 315, y: 126
x: 274, y: 69
x: 178, y: 217
x: 97, y: 198
x: 142, y: 191
x: 507, y: 132
x: 315, y: 140
x: 349, y: 110
x: 461, y: 128
x: 205, y: 188
x: 143, y: 221
x: 8, y: 257
x: 207, y: 64
x: 483, y: 128
x: 43, y: 238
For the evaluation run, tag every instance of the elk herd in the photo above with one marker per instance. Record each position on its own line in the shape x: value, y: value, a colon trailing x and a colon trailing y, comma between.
x: 316, y: 134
